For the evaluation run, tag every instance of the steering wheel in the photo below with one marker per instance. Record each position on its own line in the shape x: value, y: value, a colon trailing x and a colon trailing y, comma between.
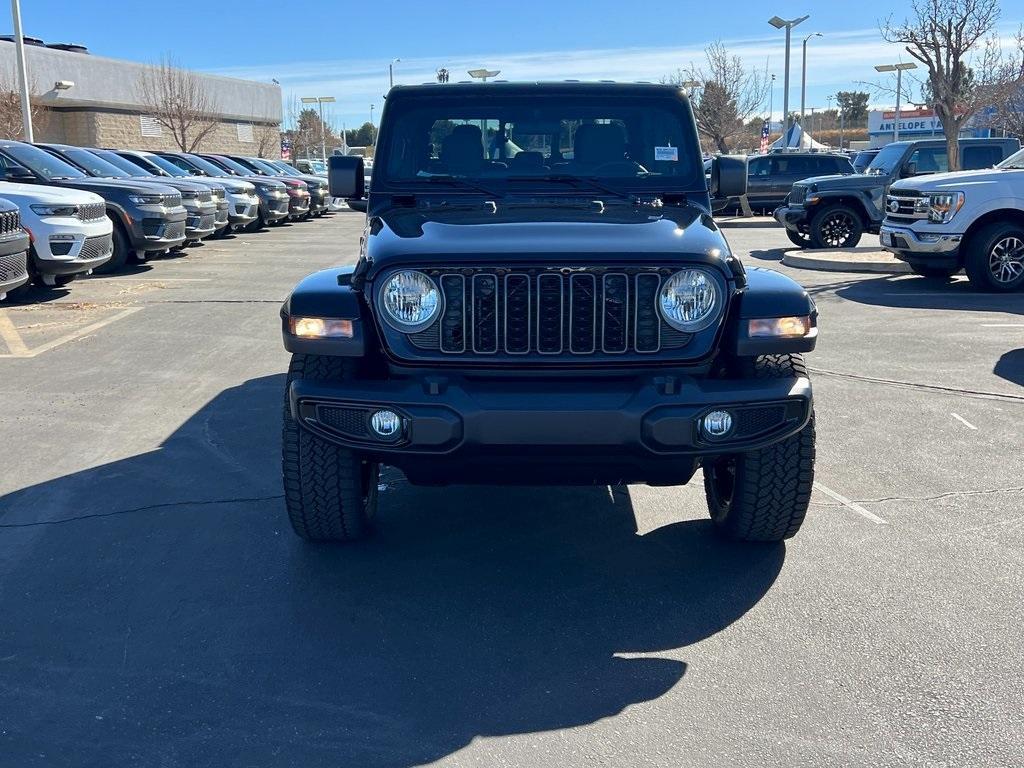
x: 631, y: 167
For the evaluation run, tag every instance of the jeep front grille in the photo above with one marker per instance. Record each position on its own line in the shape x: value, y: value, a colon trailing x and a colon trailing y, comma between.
x: 92, y: 211
x: 10, y: 221
x: 95, y: 247
x: 547, y: 314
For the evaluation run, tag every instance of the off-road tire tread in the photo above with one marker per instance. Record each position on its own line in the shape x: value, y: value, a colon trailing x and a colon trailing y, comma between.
x: 773, y: 484
x: 322, y: 481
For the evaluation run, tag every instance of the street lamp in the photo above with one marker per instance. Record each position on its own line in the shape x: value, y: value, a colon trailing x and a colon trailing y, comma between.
x: 691, y: 85
x: 320, y: 100
x: 373, y: 137
x: 19, y: 58
x: 391, y: 73
x: 771, y: 101
x: 898, y: 69
x: 778, y: 23
x: 803, y: 74
x: 483, y: 74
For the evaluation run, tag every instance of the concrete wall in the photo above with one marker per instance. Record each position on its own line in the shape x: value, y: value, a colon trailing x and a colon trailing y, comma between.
x: 113, y: 84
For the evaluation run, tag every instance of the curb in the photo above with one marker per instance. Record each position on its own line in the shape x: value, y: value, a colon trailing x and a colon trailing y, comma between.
x: 757, y: 222
x: 845, y: 261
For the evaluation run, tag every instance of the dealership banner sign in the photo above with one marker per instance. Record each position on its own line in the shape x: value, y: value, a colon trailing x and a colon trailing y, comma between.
x: 910, y: 121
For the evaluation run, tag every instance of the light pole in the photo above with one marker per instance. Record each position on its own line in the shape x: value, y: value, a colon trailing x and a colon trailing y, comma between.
x: 898, y: 69
x: 373, y: 133
x: 812, y: 120
x: 19, y: 53
x: 483, y: 74
x: 778, y: 23
x: 771, y: 101
x: 803, y: 74
x: 842, y: 120
x: 320, y: 100
x: 391, y: 73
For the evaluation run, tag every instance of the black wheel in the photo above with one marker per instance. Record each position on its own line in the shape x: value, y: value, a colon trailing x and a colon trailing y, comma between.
x: 122, y: 251
x: 799, y: 239
x: 330, y: 491
x: 222, y: 232
x: 994, y: 260
x: 935, y: 273
x: 836, y: 226
x: 763, y: 495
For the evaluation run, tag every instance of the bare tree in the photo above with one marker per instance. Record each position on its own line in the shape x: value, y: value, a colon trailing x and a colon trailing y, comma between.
x: 729, y: 95
x: 268, y: 139
x: 967, y: 67
x: 11, y: 124
x: 178, y: 101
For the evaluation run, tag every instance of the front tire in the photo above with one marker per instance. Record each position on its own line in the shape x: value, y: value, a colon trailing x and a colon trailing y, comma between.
x: 799, y: 239
x: 836, y: 226
x: 995, y: 258
x: 330, y: 491
x: 120, y: 254
x: 763, y: 495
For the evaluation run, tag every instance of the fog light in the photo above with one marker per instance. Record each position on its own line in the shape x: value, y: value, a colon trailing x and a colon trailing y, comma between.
x: 718, y: 423
x: 386, y: 423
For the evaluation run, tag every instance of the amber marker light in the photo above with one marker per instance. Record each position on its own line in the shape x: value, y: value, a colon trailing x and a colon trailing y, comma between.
x: 776, y: 327
x: 320, y: 328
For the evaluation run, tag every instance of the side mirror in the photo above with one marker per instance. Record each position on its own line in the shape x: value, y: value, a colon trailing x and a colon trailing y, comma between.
x: 728, y: 176
x: 345, y: 177
x: 17, y: 173
x: 910, y: 169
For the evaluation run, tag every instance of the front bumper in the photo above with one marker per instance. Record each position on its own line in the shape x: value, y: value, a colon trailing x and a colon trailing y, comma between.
x: 274, y: 209
x: 298, y: 206
x: 200, y: 222
x: 154, y: 232
x: 628, y: 421
x: 242, y: 209
x: 940, y: 249
x: 13, y: 269
x: 86, y: 254
x: 791, y: 217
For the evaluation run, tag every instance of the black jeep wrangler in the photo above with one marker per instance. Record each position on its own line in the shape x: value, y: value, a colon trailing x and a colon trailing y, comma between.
x: 542, y: 297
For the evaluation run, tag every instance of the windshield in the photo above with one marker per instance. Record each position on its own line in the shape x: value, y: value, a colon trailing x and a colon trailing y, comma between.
x: 1013, y: 162
x: 43, y: 163
x: 266, y: 167
x: 862, y: 161
x: 283, y: 168
x: 887, y: 160
x: 125, y: 165
x: 628, y: 143
x: 231, y: 165
x: 165, y: 165
x: 94, y: 165
x: 204, y: 165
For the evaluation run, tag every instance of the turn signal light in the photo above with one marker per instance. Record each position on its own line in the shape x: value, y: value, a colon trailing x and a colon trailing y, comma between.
x: 320, y: 328
x: 779, y: 327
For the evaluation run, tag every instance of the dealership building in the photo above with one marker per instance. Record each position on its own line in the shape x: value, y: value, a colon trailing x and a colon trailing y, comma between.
x: 95, y: 101
x: 913, y: 124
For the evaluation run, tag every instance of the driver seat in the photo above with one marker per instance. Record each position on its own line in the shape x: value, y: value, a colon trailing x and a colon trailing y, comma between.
x: 596, y: 144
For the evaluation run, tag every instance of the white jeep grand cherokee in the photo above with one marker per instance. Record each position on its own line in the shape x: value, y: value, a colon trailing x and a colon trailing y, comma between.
x: 71, y: 234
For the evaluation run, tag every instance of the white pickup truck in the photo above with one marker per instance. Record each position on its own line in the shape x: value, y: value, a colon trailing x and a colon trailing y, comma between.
x: 972, y: 220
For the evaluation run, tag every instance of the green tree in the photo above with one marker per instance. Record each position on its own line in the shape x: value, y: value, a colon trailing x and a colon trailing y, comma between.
x: 363, y: 136
x: 853, y: 105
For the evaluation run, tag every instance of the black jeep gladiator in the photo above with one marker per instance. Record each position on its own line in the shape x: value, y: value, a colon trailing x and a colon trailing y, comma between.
x: 542, y: 297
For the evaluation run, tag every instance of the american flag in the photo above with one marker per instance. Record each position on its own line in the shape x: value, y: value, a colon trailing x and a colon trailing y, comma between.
x: 764, y: 137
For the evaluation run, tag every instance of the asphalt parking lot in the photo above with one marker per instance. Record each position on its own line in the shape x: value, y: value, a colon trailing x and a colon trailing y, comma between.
x: 158, y: 610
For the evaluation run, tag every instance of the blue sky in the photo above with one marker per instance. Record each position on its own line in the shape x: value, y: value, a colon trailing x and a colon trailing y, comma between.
x: 328, y: 48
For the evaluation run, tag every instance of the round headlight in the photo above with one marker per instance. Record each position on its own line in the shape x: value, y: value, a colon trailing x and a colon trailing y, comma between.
x: 410, y: 301
x: 689, y: 300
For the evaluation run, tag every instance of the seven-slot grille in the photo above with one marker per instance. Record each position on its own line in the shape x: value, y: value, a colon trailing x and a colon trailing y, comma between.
x: 549, y: 313
x: 797, y: 194
x: 92, y: 211
x: 10, y: 222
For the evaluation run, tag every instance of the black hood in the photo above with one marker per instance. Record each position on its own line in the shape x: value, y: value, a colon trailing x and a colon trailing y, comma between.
x: 108, y: 186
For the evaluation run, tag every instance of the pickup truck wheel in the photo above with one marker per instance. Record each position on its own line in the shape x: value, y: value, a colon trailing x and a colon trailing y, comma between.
x: 799, y: 239
x: 935, y: 273
x: 836, y: 226
x: 330, y: 491
x: 763, y: 495
x: 995, y: 257
x: 120, y: 253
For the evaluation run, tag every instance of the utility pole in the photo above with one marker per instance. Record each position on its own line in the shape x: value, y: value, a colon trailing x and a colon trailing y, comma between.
x: 19, y: 53
x: 778, y: 23
x: 391, y: 73
x: 803, y: 75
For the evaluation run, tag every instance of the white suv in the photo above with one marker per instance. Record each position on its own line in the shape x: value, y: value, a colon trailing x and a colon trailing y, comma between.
x: 71, y: 234
x: 971, y: 220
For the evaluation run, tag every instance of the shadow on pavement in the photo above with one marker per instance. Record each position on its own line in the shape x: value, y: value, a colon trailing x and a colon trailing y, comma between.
x: 769, y: 254
x: 154, y: 632
x: 914, y: 292
x: 1011, y: 367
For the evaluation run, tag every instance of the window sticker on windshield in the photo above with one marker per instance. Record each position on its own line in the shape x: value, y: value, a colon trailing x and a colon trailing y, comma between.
x: 666, y: 153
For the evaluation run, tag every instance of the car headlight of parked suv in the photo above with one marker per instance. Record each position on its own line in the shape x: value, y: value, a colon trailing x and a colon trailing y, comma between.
x: 942, y: 208
x: 410, y: 301
x: 690, y: 300
x: 146, y: 199
x: 42, y: 209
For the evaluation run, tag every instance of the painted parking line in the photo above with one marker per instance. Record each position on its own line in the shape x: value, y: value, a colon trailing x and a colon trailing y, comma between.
x: 18, y: 348
x: 850, y: 505
x: 156, y: 279
x: 1002, y: 325
x: 963, y: 421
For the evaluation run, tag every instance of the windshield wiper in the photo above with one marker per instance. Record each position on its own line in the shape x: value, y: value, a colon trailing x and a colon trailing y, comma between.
x: 576, y: 181
x: 447, y: 178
